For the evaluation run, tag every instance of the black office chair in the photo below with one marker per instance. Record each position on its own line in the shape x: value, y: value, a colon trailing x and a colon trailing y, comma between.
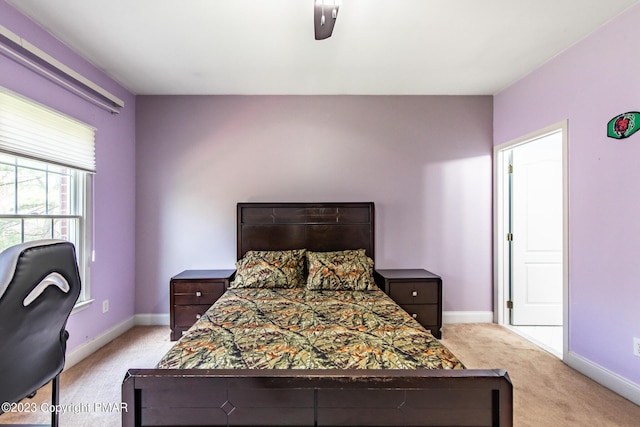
x: 39, y: 285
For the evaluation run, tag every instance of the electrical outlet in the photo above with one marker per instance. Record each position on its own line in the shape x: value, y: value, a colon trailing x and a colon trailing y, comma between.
x: 636, y: 347
x: 105, y: 306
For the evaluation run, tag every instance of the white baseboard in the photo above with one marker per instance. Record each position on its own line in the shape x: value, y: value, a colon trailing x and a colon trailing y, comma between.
x: 88, y: 348
x: 611, y: 380
x: 152, y: 319
x: 467, y: 317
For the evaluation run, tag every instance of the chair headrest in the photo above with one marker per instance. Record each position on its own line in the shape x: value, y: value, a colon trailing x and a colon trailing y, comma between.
x: 9, y: 259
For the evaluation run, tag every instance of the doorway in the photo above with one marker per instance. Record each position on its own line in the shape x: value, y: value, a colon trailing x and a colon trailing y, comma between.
x: 531, y: 237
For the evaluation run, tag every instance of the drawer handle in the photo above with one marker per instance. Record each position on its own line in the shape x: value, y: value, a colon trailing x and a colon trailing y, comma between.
x: 198, y: 316
x: 414, y: 315
x: 198, y: 293
x: 414, y: 293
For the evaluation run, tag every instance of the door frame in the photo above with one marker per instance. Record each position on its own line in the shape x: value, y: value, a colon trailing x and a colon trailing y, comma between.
x: 500, y: 218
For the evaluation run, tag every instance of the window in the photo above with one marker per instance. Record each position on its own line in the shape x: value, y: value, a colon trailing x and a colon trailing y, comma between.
x: 45, y: 191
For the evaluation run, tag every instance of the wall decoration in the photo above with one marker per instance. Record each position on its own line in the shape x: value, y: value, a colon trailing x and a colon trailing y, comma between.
x: 623, y: 125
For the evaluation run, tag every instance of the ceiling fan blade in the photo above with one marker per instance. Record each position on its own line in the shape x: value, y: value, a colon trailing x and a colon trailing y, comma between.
x: 325, y: 14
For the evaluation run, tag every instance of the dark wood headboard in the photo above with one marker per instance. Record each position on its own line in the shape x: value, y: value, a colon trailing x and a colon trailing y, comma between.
x: 313, y: 226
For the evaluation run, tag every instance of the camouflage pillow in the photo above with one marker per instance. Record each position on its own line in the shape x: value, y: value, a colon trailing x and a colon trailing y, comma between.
x: 340, y: 270
x: 270, y: 269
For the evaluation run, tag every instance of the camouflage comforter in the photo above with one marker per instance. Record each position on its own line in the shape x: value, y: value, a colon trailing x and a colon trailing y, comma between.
x: 302, y: 329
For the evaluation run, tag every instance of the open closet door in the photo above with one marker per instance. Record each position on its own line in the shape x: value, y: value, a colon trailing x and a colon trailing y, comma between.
x: 536, y: 235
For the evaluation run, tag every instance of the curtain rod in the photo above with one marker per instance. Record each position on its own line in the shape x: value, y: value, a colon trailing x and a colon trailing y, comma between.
x: 27, y: 54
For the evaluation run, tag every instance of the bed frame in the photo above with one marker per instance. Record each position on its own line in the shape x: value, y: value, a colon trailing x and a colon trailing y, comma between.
x: 284, y: 397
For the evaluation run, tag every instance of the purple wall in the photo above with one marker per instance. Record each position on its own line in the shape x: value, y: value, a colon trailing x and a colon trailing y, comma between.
x: 112, y: 274
x: 589, y: 84
x: 424, y: 160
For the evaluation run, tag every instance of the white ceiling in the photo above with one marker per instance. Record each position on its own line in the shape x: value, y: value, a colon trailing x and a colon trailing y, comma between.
x: 451, y: 47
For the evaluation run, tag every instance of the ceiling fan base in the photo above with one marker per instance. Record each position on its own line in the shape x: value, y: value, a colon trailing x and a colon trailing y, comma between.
x: 324, y: 27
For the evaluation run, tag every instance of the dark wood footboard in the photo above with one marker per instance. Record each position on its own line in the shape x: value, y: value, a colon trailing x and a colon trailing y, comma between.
x: 200, y: 397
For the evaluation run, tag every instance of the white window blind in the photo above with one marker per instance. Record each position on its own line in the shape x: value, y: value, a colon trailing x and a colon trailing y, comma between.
x: 31, y: 130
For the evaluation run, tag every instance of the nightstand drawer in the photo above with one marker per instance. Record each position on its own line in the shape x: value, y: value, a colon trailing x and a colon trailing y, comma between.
x: 186, y: 315
x: 418, y: 292
x: 192, y: 292
x: 414, y: 292
x: 424, y: 314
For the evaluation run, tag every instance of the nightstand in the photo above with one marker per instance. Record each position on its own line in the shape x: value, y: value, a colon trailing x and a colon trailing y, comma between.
x: 418, y: 292
x: 191, y: 293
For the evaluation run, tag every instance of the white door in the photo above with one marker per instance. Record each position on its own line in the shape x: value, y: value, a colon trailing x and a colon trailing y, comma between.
x: 536, y: 232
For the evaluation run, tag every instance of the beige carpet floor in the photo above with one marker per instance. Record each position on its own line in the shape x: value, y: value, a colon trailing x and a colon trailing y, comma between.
x: 98, y: 379
x: 546, y: 391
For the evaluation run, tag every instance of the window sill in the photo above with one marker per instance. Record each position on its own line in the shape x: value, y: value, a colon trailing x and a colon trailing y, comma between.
x: 83, y: 305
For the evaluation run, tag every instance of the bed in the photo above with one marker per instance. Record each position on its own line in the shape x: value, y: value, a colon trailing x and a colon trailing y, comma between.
x: 312, y: 379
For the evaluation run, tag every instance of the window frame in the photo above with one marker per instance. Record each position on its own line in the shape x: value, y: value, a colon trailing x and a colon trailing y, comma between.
x: 82, y: 199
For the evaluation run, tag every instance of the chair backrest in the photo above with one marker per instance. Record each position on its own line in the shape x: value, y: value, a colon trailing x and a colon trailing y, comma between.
x: 39, y: 286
